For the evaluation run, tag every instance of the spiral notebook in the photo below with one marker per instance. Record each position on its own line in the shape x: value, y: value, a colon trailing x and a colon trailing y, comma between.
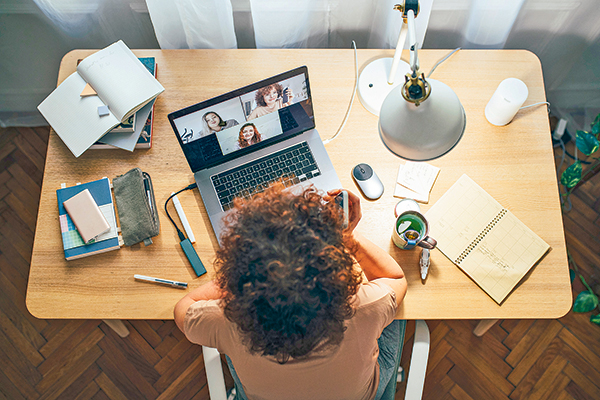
x: 483, y: 238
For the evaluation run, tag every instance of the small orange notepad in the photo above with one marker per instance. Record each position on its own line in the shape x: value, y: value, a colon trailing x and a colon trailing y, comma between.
x: 86, y: 216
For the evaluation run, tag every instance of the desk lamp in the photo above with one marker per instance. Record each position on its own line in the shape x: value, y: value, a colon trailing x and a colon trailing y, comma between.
x: 422, y: 119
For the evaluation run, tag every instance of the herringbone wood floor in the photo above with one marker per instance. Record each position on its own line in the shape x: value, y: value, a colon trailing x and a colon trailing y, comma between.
x: 57, y: 359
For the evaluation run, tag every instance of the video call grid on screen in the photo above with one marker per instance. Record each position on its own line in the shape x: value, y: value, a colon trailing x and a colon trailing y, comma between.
x: 216, y: 130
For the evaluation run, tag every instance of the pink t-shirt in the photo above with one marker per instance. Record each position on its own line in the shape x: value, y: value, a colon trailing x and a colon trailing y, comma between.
x: 348, y: 371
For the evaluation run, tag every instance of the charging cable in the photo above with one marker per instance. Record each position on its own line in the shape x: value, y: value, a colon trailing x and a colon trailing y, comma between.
x: 351, y: 100
x: 185, y: 243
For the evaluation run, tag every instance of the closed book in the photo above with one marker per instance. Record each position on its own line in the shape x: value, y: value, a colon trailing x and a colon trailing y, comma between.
x: 73, y: 244
x: 86, y: 216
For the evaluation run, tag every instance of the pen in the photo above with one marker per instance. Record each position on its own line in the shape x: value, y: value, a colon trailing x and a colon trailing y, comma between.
x: 175, y: 284
x: 184, y: 221
x: 147, y: 187
x: 424, y: 263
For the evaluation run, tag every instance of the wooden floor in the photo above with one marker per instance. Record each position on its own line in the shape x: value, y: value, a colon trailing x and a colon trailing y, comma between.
x: 58, y: 359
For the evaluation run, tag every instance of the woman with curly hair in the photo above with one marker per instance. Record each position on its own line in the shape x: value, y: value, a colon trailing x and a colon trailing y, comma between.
x: 248, y: 135
x: 289, y: 306
x: 270, y: 98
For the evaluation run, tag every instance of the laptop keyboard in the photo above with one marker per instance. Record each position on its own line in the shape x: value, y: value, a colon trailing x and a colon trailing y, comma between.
x: 288, y: 166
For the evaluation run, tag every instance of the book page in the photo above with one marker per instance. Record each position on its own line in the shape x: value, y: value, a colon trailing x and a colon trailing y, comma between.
x: 504, y: 256
x: 74, y: 118
x: 488, y: 242
x: 120, y: 79
x: 458, y: 217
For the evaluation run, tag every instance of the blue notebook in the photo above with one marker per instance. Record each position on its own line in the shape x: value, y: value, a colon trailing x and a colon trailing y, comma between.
x: 73, y: 244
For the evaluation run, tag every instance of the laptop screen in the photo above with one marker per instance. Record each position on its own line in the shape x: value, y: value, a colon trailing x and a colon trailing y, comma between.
x: 244, y: 120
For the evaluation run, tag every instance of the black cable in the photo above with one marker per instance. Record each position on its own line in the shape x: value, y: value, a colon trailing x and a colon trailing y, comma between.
x: 179, y: 233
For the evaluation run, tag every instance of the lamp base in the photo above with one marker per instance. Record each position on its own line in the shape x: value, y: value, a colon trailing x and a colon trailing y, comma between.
x: 373, y: 86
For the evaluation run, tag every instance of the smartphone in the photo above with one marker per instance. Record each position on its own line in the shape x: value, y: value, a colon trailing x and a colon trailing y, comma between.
x: 284, y: 96
x: 342, y: 201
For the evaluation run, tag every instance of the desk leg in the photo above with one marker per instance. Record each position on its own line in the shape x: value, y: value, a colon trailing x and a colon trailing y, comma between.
x: 483, y: 326
x: 118, y: 326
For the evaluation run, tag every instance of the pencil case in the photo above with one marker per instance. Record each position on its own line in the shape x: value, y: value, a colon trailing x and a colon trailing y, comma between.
x: 136, y: 207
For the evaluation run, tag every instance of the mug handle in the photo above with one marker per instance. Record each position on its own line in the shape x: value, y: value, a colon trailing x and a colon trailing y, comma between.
x: 428, y: 243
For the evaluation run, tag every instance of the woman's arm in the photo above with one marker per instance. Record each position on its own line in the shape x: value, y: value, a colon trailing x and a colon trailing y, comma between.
x: 208, y: 291
x: 378, y: 264
x: 375, y: 262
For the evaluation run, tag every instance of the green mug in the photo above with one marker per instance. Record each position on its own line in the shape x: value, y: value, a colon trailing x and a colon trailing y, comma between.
x: 411, y: 229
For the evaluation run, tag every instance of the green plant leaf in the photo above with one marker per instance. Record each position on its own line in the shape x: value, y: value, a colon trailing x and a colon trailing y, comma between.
x: 572, y: 175
x: 585, y: 302
x: 586, y: 142
x: 596, y: 125
x: 572, y: 274
x: 595, y: 319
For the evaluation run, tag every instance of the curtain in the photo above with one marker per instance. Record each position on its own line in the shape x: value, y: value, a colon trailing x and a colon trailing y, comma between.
x: 564, y: 34
x: 281, y: 23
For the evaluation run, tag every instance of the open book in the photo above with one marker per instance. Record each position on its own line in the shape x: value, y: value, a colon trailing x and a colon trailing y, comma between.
x: 121, y: 82
x: 484, y: 239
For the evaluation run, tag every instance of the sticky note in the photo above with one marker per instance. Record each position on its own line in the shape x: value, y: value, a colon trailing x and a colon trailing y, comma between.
x: 103, y: 110
x: 88, y: 91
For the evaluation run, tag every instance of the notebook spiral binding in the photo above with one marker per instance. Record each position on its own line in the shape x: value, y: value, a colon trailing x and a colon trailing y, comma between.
x: 480, y: 237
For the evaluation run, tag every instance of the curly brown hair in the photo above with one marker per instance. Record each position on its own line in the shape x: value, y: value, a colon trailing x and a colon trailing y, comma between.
x: 287, y: 273
x: 262, y: 92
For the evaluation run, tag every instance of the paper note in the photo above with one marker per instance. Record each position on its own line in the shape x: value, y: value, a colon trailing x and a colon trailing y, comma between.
x: 415, y: 180
x: 418, y: 176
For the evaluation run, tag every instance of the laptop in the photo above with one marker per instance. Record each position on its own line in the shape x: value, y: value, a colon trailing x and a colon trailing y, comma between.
x: 239, y: 143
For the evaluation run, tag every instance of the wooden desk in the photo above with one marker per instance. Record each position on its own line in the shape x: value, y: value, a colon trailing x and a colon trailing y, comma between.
x: 513, y: 163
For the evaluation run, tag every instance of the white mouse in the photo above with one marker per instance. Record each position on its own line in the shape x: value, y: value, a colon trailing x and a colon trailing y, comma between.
x: 368, y: 182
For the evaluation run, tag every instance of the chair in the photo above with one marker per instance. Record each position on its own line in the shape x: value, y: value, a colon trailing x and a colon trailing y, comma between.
x: 414, y: 384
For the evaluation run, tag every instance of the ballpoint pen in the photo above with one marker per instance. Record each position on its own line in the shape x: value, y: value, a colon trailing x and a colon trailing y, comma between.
x: 424, y: 263
x: 147, y: 187
x: 175, y: 284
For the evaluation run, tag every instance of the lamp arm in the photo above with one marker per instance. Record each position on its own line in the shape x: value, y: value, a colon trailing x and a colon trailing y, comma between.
x: 397, y: 53
x: 412, y: 40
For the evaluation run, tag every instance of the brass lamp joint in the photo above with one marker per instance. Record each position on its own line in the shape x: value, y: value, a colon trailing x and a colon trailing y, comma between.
x: 415, y: 89
x: 408, y: 5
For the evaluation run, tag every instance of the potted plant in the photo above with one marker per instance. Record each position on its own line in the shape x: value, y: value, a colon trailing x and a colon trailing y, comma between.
x: 588, y: 144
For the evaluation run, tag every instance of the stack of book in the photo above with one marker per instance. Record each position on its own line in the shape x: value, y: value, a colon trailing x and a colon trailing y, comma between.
x: 136, y: 132
x: 108, y: 88
x: 73, y: 244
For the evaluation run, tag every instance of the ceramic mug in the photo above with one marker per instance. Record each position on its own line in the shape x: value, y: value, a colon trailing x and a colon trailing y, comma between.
x: 411, y: 229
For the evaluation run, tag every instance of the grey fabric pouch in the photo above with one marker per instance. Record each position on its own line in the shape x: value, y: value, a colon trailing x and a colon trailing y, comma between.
x: 136, y: 207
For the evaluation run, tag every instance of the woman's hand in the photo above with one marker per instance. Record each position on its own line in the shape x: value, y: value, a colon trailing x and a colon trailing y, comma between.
x: 354, y: 210
x: 290, y: 95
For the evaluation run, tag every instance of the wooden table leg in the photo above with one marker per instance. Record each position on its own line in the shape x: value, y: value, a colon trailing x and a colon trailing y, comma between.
x: 118, y: 326
x: 483, y: 326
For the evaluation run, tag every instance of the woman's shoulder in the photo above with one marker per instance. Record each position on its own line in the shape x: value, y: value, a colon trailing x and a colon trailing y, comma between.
x: 375, y: 291
x: 230, y: 122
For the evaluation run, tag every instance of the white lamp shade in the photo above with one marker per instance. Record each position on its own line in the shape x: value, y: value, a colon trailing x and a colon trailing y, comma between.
x: 424, y: 132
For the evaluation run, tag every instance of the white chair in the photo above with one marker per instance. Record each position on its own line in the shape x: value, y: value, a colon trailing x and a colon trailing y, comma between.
x: 414, y: 384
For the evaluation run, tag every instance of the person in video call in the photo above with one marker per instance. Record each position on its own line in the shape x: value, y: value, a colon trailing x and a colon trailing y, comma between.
x: 248, y: 135
x: 270, y: 98
x: 212, y: 123
x: 289, y: 306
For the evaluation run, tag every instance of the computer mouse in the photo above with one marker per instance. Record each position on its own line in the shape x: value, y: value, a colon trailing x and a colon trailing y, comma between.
x: 367, y: 181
